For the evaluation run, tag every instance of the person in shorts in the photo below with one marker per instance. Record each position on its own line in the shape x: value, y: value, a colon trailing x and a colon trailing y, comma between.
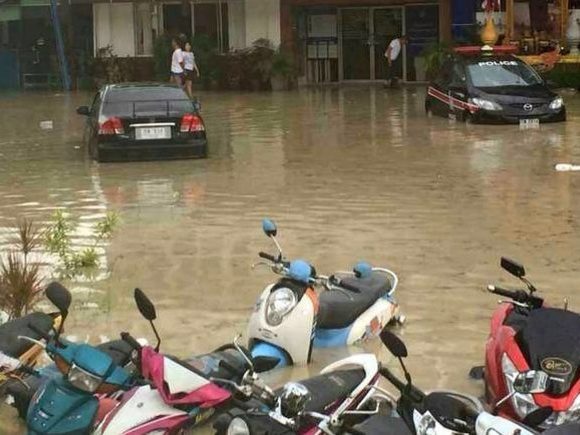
x: 393, y: 55
x: 190, y: 67
x: 177, y: 63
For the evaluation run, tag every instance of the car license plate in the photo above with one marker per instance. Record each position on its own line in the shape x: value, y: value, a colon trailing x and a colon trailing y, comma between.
x: 529, y: 123
x: 7, y: 363
x: 152, y: 133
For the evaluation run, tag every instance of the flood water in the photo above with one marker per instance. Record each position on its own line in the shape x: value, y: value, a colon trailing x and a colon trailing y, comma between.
x: 348, y: 174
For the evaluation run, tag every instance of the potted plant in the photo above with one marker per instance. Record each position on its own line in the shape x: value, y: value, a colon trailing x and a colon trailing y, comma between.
x: 282, y: 74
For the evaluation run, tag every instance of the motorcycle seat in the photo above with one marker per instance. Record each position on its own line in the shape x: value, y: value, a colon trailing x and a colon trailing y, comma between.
x: 383, y: 424
x: 11, y: 345
x: 328, y: 388
x: 340, y: 308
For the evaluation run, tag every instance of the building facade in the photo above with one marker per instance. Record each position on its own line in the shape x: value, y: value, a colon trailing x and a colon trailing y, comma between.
x: 331, y: 40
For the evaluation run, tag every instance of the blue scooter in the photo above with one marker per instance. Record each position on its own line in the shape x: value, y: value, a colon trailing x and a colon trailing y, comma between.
x: 69, y: 403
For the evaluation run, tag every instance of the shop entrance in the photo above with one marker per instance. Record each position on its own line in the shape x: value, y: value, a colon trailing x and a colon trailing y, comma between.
x: 364, y: 36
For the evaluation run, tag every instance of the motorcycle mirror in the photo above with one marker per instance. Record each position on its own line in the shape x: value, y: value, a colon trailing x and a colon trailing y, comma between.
x: 513, y: 267
x: 293, y: 399
x: 147, y: 310
x: 59, y: 296
x: 265, y: 363
x: 269, y: 227
x: 531, y: 382
x: 537, y: 417
x: 393, y: 343
x: 146, y: 307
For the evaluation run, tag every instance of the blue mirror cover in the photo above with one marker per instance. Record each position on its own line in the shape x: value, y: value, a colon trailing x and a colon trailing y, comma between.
x: 300, y: 271
x: 269, y: 227
x: 362, y: 270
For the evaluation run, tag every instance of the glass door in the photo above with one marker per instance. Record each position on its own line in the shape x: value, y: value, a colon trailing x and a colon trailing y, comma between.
x: 387, y: 25
x: 355, y: 34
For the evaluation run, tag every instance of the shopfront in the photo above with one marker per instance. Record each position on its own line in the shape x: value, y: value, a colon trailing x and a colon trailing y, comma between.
x: 347, y: 42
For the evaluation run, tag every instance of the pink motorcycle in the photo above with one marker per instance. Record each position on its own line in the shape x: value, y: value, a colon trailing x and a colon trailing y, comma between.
x: 178, y: 394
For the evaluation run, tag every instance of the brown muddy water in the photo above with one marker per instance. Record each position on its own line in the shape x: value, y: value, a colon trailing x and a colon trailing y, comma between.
x: 348, y: 174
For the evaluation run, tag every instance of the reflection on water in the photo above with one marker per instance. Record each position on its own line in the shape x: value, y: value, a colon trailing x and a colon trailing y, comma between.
x: 349, y: 174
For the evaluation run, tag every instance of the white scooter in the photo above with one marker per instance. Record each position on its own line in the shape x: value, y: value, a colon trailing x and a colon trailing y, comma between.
x: 290, y: 317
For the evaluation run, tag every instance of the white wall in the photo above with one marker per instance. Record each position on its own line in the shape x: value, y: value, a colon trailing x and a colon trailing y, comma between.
x: 262, y: 20
x: 113, y: 24
x: 236, y: 23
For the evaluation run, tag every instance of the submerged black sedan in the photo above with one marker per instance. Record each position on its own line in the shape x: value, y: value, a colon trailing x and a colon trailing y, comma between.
x: 492, y: 88
x: 143, y: 121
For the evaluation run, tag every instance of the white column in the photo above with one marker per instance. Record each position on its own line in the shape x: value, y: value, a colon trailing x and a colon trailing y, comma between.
x: 114, y: 25
x: 236, y: 24
x: 262, y: 21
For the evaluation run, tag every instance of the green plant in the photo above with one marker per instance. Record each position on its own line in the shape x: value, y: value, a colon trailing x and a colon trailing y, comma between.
x: 57, y: 240
x: 162, y: 56
x: 435, y: 55
x: 564, y: 75
x: 282, y: 64
x: 107, y: 67
x: 20, y: 279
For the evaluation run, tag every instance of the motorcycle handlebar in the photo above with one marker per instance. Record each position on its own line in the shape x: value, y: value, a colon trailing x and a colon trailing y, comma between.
x: 267, y: 256
x: 516, y: 295
x: 397, y: 383
x: 129, y: 339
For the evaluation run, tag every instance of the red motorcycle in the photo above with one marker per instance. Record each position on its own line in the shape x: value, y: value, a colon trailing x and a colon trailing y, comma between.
x: 544, y: 343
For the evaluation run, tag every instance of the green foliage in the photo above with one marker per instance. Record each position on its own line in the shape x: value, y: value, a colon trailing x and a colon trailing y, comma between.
x: 107, y: 67
x: 57, y: 240
x: 565, y: 75
x: 250, y: 68
x: 20, y: 279
x: 162, y: 57
x: 435, y: 55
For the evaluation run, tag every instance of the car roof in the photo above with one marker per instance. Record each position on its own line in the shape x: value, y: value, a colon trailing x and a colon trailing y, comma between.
x: 140, y: 85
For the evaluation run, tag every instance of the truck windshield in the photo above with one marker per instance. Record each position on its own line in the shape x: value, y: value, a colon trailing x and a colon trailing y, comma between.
x: 499, y: 73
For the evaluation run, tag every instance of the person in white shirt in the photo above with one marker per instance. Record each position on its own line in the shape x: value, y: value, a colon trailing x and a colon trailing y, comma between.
x: 177, y: 63
x: 190, y: 66
x: 393, y: 55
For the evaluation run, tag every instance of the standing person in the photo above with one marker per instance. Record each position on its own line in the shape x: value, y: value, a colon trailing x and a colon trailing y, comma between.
x: 190, y: 66
x: 393, y: 55
x: 177, y: 63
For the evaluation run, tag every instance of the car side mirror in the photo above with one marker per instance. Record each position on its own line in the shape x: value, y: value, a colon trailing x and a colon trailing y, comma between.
x: 83, y: 110
x: 531, y: 382
x: 393, y: 343
x: 269, y: 227
x: 145, y: 306
x: 513, y: 267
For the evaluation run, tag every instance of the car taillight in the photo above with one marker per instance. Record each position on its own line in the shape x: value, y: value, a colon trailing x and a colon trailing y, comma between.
x: 191, y: 122
x: 111, y: 126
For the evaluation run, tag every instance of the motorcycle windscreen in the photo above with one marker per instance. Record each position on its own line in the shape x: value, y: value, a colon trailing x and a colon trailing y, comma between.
x: 550, y: 341
x: 179, y: 383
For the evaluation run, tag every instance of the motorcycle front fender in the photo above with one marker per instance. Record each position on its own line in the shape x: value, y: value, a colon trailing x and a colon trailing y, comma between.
x: 294, y: 335
x: 59, y: 408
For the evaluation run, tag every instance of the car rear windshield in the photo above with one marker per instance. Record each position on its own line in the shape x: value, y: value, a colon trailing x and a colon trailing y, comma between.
x: 495, y: 73
x: 146, y: 101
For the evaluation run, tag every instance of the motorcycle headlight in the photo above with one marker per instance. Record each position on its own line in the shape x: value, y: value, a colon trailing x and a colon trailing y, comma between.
x: 482, y: 103
x: 557, y: 103
x: 238, y: 426
x: 83, y: 380
x: 280, y: 303
x: 523, y: 404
